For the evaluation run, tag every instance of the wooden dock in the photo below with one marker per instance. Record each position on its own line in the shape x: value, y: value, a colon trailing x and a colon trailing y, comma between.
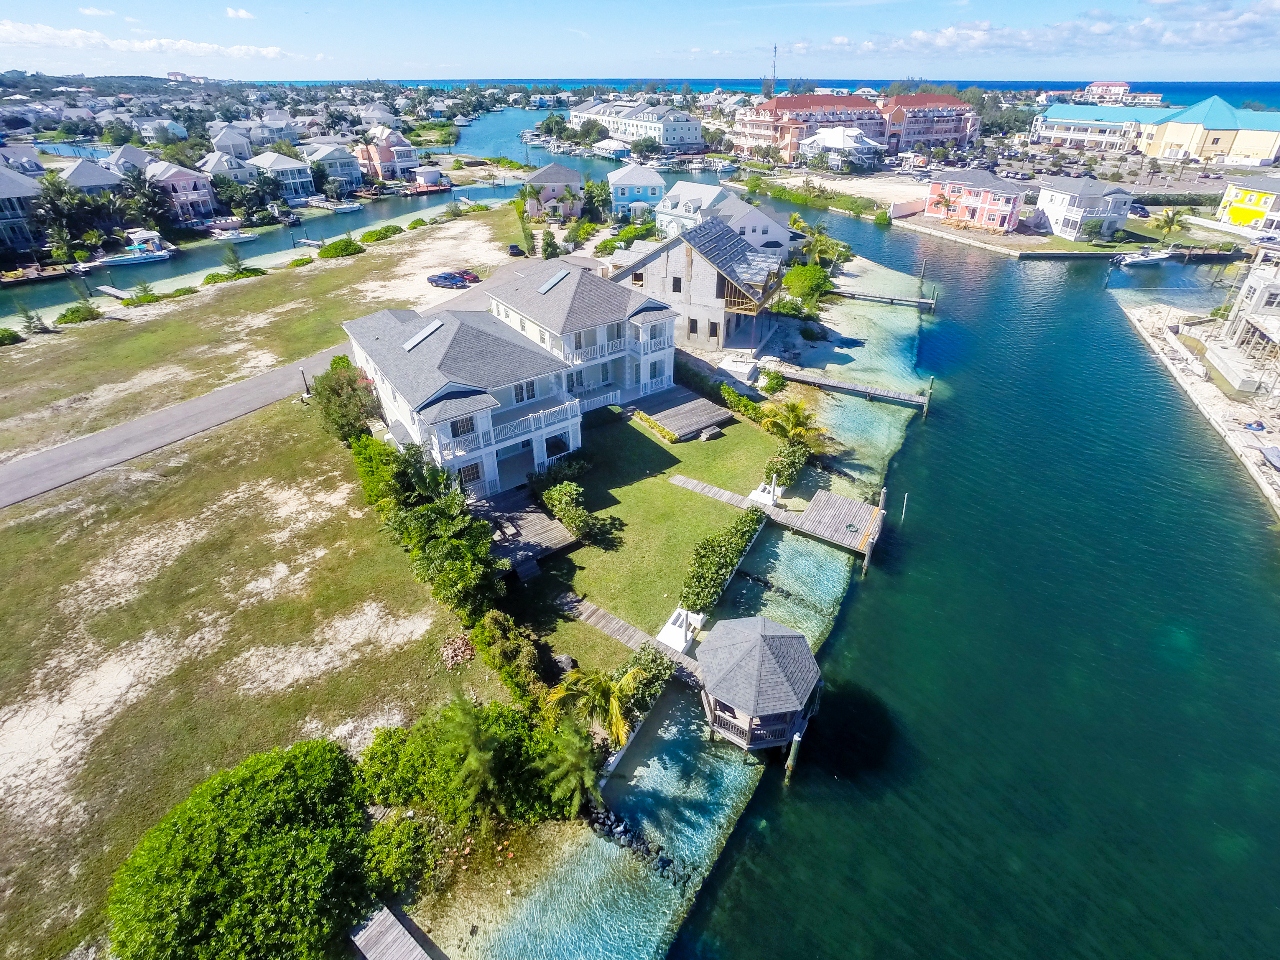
x: 801, y: 375
x: 926, y: 304
x: 522, y: 531
x: 686, y: 667
x: 115, y: 292
x: 841, y: 521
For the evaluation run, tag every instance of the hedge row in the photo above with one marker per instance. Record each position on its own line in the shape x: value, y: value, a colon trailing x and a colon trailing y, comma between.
x: 1178, y: 199
x: 714, y: 560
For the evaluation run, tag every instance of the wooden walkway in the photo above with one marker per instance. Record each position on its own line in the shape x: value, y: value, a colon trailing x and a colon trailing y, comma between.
x: 851, y: 524
x: 115, y: 292
x: 522, y: 531
x: 801, y: 375
x: 683, y: 412
x: 383, y: 937
x: 926, y: 304
x: 686, y: 667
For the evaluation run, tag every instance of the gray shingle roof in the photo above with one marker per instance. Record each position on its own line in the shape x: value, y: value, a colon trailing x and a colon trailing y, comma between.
x: 578, y: 302
x: 473, y: 351
x: 14, y: 185
x: 758, y: 667
x: 732, y: 255
x: 979, y: 179
x: 86, y: 174
x: 1265, y: 183
x: 1084, y: 186
x: 555, y: 173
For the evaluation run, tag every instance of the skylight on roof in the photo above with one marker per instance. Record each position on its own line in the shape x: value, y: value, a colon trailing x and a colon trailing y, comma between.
x: 546, y: 287
x: 422, y: 334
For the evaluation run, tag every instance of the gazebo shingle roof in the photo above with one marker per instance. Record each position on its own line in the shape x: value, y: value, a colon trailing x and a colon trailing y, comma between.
x: 758, y: 667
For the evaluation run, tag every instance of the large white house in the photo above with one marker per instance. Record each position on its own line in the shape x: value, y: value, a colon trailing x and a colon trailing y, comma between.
x: 1067, y: 204
x: 688, y: 204
x: 337, y: 161
x: 294, y: 176
x: 496, y: 393
x: 629, y: 121
x: 223, y: 164
x: 843, y: 147
x: 635, y: 184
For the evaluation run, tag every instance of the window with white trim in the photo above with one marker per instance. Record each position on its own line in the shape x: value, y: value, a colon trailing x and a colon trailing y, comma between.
x: 469, y: 474
x: 462, y: 427
x: 524, y: 392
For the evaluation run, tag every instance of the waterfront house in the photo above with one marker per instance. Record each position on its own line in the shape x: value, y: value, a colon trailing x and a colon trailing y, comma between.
x: 233, y: 143
x: 629, y: 120
x: 1068, y: 204
x: 294, y: 176
x: 218, y: 163
x: 635, y: 184
x: 388, y: 155
x: 715, y: 279
x: 843, y: 147
x: 688, y: 203
x: 88, y: 177
x: 189, y: 192
x: 338, y: 162
x: 1245, y: 349
x: 553, y: 182
x: 16, y: 193
x: 1252, y: 202
x: 975, y: 197
x: 127, y: 159
x: 760, y: 682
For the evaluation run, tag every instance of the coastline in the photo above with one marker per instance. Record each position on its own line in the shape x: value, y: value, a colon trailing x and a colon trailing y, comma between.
x: 1222, y: 413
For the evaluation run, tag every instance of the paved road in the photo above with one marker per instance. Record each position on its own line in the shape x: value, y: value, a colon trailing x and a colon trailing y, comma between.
x: 49, y: 469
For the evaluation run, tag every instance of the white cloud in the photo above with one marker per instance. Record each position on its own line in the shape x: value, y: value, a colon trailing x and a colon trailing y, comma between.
x: 17, y: 34
x: 95, y: 12
x: 239, y: 14
x: 840, y: 41
x: 132, y: 20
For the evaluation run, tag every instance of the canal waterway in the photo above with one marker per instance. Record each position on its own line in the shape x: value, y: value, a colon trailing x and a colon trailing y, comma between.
x: 1049, y: 723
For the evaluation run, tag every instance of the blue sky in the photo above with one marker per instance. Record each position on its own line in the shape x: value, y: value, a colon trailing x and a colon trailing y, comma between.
x: 850, y: 39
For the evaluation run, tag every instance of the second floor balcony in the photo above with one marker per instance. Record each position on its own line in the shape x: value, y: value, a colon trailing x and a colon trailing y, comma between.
x: 505, y: 427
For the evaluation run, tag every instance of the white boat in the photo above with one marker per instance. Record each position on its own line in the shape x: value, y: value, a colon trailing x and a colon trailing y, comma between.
x: 333, y: 206
x: 145, y: 247
x: 235, y: 235
x: 1144, y: 258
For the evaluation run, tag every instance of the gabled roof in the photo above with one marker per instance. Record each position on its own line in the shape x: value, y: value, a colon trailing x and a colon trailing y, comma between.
x: 14, y: 185
x: 980, y: 180
x: 1084, y: 187
x: 555, y: 173
x: 684, y: 190
x: 129, y: 154
x: 163, y: 170
x: 449, y: 373
x: 217, y: 162
x: 229, y: 135
x: 633, y: 174
x: 85, y: 174
x: 734, y: 256
x: 276, y: 161
x: 1215, y: 113
x: 758, y: 667
x: 577, y: 301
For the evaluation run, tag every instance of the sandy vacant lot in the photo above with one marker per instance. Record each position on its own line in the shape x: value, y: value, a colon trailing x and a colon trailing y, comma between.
x: 884, y: 189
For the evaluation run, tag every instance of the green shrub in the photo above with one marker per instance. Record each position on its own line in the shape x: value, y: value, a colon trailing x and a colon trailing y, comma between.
x: 813, y: 332
x: 883, y: 219
x: 740, y: 404
x: 375, y: 466
x: 627, y: 236
x: 263, y: 860
x: 714, y: 560
x: 566, y: 468
x: 400, y: 851
x: 772, y: 382
x: 458, y: 164
x: 226, y: 277
x: 346, y: 400
x: 10, y: 336
x: 382, y: 233
x: 149, y: 296
x: 300, y: 262
x: 807, y: 283
x: 786, y: 464
x: 79, y: 313
x: 415, y: 224
x: 656, y: 668
x: 512, y: 652
x: 564, y: 500
x: 82, y: 256
x: 342, y: 247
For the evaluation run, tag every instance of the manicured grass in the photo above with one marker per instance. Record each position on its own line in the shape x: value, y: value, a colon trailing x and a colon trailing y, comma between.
x: 504, y: 224
x: 640, y: 581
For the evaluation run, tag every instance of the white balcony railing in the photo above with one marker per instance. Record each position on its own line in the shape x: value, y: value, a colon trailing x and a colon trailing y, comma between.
x: 653, y: 386
x: 451, y: 447
x: 596, y: 352
x: 651, y: 346
x: 477, y: 489
x: 537, y: 421
x: 604, y: 400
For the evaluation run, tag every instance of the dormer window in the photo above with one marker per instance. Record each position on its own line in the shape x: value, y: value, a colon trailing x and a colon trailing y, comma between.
x: 524, y: 392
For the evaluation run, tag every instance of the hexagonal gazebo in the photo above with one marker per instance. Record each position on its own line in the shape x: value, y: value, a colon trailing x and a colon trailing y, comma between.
x: 760, y: 682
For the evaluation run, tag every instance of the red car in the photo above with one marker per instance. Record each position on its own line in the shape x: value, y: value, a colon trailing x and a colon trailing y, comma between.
x: 467, y: 275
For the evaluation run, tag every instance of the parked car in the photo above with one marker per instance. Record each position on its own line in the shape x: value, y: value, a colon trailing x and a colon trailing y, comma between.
x: 1139, y: 211
x: 466, y: 275
x: 513, y: 250
x: 447, y: 281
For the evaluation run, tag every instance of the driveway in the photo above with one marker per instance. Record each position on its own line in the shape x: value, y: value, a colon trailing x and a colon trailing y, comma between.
x: 52, y: 468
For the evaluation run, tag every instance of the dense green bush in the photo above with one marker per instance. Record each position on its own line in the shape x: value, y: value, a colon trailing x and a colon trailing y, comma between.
x: 771, y: 381
x: 227, y: 276
x: 415, y: 224
x: 883, y: 219
x: 813, y: 332
x: 10, y: 336
x: 714, y: 560
x: 566, y: 468
x: 346, y: 399
x: 375, y: 466
x: 791, y: 307
x: 300, y: 262
x: 512, y: 652
x: 656, y: 669
x: 786, y: 464
x: 1178, y: 199
x: 740, y: 404
x: 263, y: 860
x: 564, y: 500
x: 400, y: 851
x: 149, y: 296
x: 807, y: 283
x: 342, y: 247
x: 627, y: 236
x: 80, y: 312
x: 382, y: 233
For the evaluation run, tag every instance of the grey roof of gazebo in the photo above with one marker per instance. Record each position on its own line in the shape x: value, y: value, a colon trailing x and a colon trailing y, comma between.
x: 758, y: 667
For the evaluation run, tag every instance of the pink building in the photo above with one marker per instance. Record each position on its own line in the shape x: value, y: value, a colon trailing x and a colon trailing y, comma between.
x: 976, y: 197
x: 553, y: 182
x: 190, y: 192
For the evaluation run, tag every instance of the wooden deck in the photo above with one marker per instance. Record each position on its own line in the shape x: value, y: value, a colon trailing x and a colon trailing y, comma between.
x: 923, y: 303
x: 683, y: 412
x: 801, y: 375
x: 383, y: 937
x: 851, y: 524
x: 635, y: 638
x: 522, y: 531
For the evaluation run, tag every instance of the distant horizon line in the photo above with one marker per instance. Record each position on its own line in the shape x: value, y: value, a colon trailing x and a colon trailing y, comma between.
x: 613, y: 81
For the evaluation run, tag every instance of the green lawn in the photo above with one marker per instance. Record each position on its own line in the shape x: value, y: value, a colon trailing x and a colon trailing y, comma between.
x: 234, y: 557
x: 640, y: 581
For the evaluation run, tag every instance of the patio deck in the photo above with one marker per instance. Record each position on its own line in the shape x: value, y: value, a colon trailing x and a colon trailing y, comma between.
x: 683, y: 412
x: 522, y: 532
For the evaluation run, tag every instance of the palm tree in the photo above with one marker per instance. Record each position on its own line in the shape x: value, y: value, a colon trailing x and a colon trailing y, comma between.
x: 947, y: 205
x: 570, y: 770
x: 791, y: 420
x: 462, y: 727
x: 1170, y: 221
x: 231, y: 259
x: 600, y: 699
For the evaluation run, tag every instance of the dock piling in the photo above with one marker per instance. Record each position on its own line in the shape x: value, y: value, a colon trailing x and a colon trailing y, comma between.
x: 927, y: 397
x: 791, y: 758
x: 903, y: 518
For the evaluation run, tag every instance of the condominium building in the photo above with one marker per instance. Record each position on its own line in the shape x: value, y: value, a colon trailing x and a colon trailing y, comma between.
x: 629, y: 121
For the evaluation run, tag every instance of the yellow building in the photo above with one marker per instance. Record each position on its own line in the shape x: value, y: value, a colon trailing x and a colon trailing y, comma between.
x: 1251, y: 202
x: 1215, y: 132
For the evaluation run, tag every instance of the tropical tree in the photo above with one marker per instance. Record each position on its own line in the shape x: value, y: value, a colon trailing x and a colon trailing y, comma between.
x: 947, y: 205
x: 571, y: 769
x: 32, y: 322
x: 1170, y: 221
x: 600, y: 699
x: 232, y: 260
x: 791, y: 420
x: 462, y: 727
